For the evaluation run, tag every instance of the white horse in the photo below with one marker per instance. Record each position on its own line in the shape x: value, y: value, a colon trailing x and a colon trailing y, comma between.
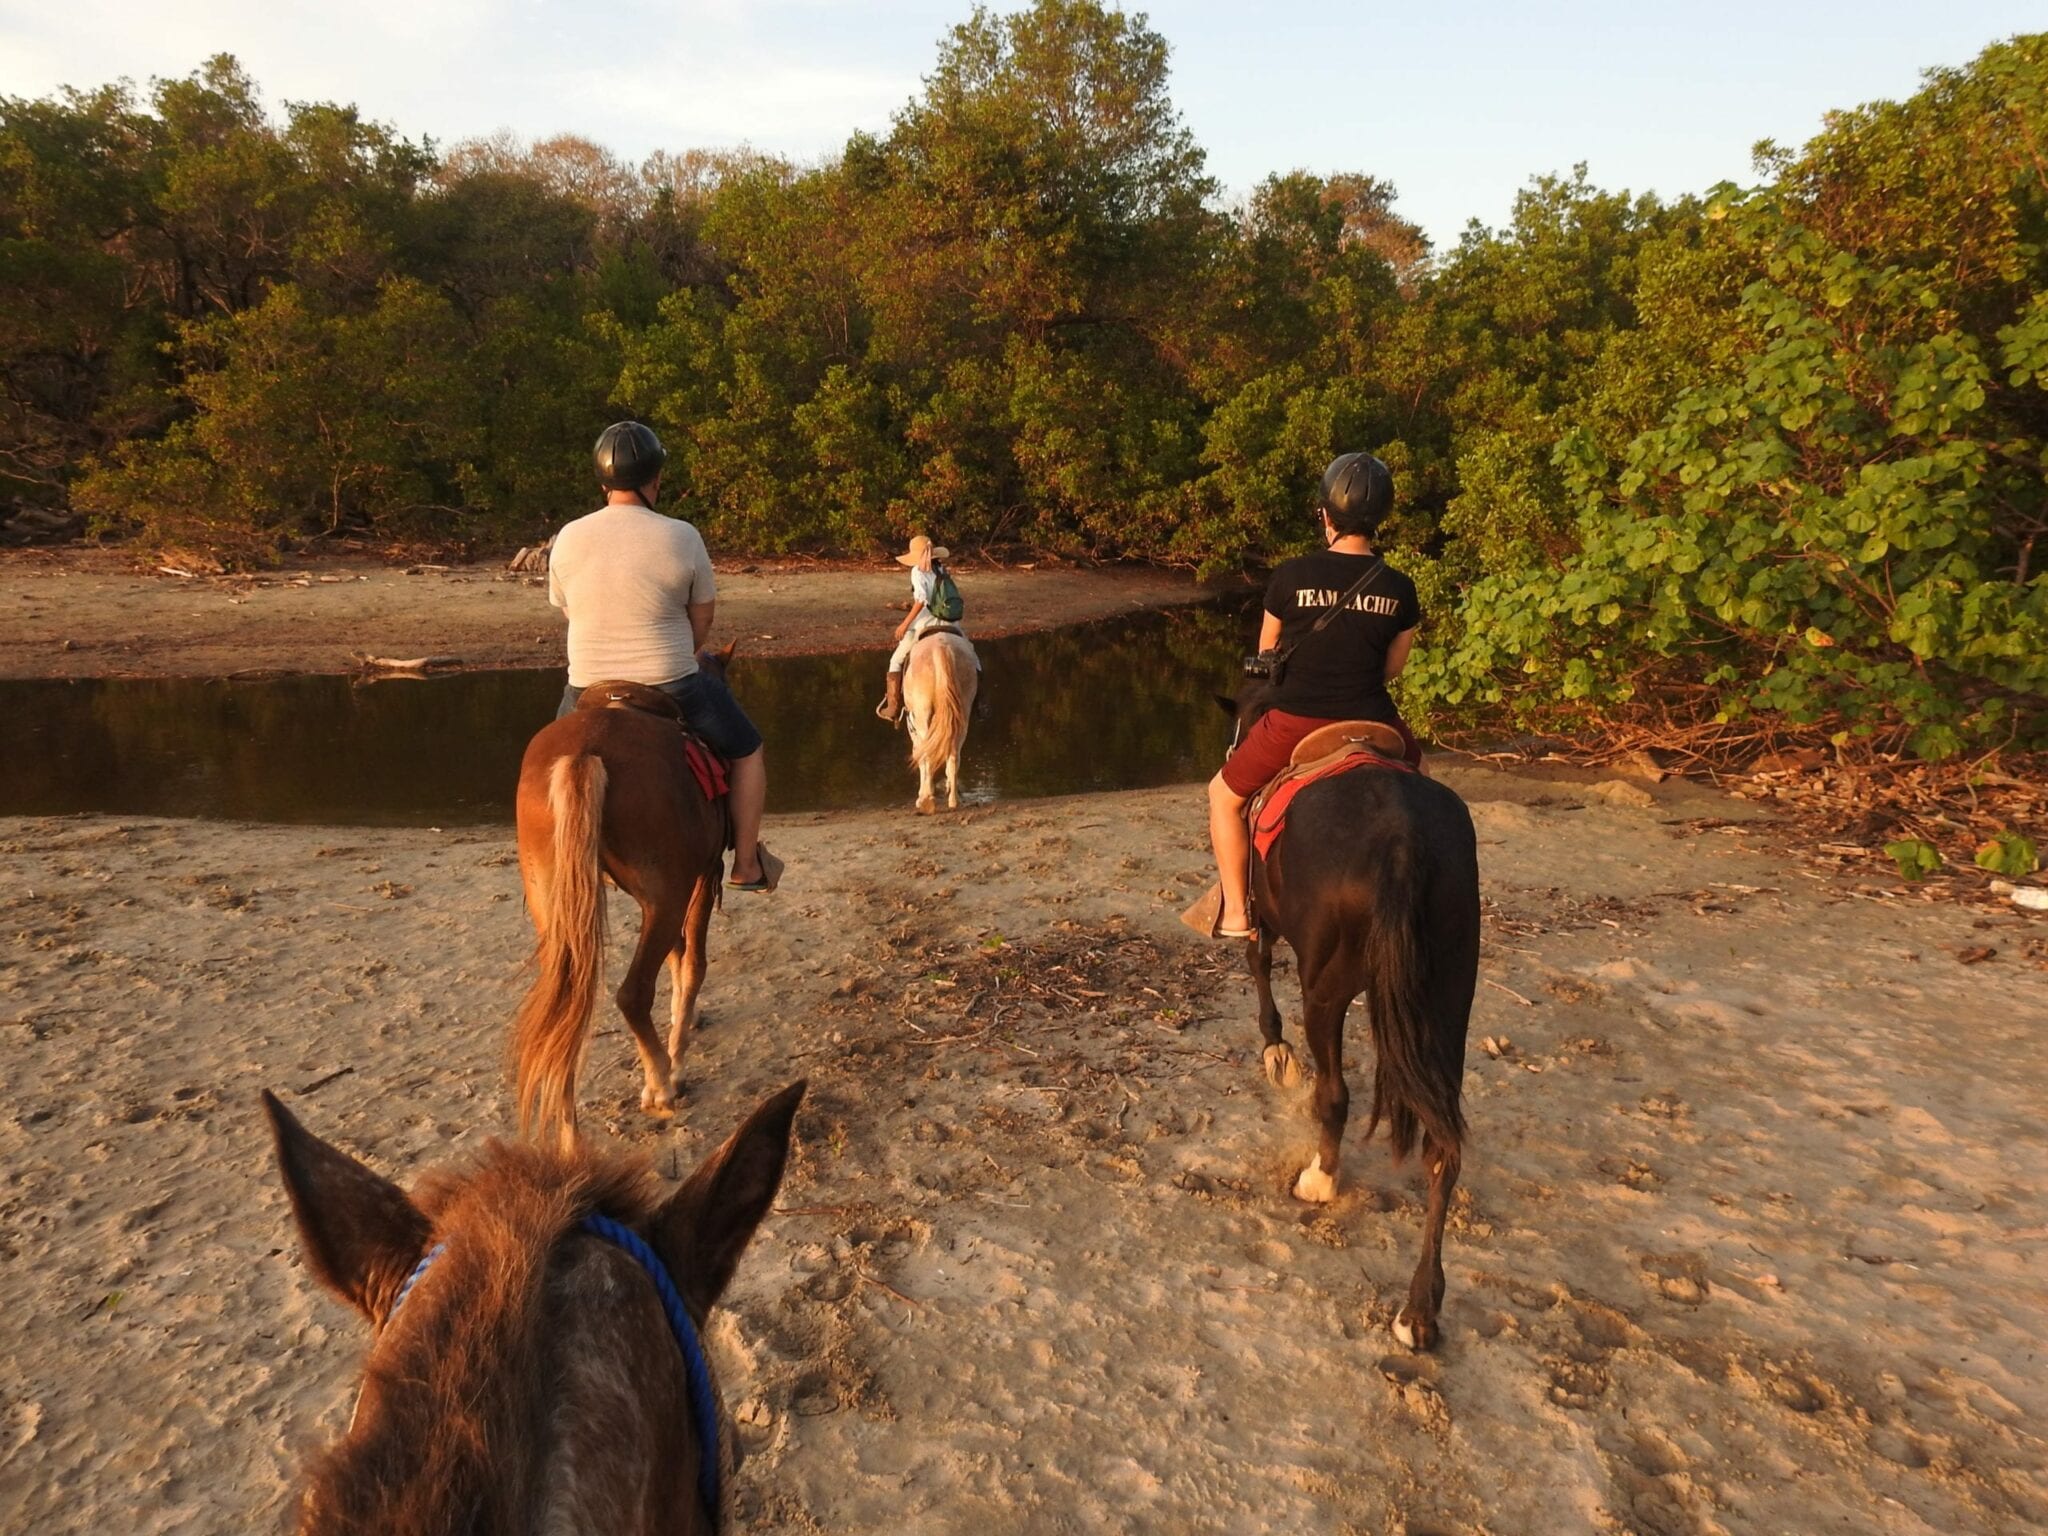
x: 939, y: 682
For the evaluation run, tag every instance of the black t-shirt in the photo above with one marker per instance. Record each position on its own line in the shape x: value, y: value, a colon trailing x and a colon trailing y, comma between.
x: 1340, y: 673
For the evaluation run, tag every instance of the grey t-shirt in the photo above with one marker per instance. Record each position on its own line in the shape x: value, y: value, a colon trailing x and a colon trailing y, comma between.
x: 626, y: 577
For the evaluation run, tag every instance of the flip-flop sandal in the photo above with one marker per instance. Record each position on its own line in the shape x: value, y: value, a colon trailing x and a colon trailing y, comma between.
x: 771, y: 874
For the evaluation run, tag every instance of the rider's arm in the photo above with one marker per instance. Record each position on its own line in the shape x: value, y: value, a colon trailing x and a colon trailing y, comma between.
x: 1397, y: 653
x: 1269, y: 632
x: 700, y: 623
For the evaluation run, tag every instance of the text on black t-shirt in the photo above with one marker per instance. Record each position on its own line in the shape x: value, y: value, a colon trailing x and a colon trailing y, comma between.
x: 1340, y: 672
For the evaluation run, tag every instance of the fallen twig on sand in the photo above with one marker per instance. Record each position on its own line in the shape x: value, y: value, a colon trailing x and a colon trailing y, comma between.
x: 909, y: 1301
x: 321, y: 1082
x: 1511, y: 992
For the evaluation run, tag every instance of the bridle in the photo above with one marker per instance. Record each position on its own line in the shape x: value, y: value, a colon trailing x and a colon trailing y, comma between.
x: 696, y: 1371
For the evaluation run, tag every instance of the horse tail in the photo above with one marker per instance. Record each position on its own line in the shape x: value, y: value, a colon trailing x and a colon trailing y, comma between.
x: 948, y: 727
x: 1415, y: 1076
x: 553, y: 1023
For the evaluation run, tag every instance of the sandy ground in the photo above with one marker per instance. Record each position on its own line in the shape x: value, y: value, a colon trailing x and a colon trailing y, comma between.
x: 96, y: 613
x: 1752, y: 1235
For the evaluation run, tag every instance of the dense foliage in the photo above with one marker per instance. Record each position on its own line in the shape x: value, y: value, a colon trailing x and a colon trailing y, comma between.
x: 1775, y: 451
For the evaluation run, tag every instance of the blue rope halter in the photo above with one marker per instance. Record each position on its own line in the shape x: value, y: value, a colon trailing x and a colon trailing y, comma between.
x: 703, y: 1402
x: 697, y: 1373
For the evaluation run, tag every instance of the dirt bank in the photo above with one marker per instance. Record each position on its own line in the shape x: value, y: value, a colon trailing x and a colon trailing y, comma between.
x: 1750, y: 1238
x: 93, y: 613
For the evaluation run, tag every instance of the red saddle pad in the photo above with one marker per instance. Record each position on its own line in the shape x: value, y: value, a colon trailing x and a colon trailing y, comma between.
x: 1272, y: 813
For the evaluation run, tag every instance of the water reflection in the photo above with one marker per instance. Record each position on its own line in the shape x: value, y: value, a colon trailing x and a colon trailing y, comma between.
x: 1115, y: 705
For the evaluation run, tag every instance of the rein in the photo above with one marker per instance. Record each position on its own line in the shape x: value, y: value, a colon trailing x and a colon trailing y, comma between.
x: 696, y: 1371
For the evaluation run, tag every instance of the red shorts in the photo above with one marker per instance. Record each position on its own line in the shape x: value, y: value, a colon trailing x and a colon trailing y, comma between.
x: 1271, y: 741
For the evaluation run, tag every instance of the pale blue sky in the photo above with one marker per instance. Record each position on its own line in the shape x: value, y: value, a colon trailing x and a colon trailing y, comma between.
x: 1458, y: 105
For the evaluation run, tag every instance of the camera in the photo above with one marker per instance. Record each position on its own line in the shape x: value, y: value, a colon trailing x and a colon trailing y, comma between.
x: 1261, y: 665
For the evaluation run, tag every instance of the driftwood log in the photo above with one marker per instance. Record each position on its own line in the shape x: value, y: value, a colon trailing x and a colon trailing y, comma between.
x: 404, y: 664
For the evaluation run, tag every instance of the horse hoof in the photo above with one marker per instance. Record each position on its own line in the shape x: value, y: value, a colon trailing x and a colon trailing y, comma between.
x: 926, y: 808
x: 657, y: 1103
x: 1282, y: 1070
x: 1418, y: 1333
x: 1314, y: 1185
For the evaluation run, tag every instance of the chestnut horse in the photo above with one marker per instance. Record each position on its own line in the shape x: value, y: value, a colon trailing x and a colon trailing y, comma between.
x: 535, y: 1362
x: 1374, y: 883
x: 606, y: 792
x: 939, y: 683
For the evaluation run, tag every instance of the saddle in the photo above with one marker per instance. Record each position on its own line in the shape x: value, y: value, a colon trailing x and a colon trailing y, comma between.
x: 1337, y: 748
x: 706, y: 766
x: 1346, y: 737
x: 640, y: 696
x: 942, y: 629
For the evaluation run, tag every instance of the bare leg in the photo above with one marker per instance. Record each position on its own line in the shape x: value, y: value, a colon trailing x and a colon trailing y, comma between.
x: 660, y: 932
x: 1282, y: 1071
x: 749, y: 796
x: 1416, y: 1324
x: 1232, y: 844
x: 686, y: 966
x: 1323, y: 1023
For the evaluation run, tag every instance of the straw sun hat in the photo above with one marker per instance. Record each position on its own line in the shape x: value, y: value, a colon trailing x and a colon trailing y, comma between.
x: 920, y: 546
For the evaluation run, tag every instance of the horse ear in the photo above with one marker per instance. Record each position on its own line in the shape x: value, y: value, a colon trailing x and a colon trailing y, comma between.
x: 703, y: 1228
x: 725, y: 656
x: 360, y: 1234
x: 1225, y: 703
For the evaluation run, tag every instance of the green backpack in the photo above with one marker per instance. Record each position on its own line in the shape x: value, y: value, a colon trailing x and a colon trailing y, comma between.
x: 945, y: 604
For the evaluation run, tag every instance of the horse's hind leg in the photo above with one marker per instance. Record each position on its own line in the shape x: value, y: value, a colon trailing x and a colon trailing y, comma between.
x: 686, y: 966
x: 660, y: 932
x: 1415, y: 1326
x: 953, y: 781
x: 1322, y: 1015
x: 1282, y: 1070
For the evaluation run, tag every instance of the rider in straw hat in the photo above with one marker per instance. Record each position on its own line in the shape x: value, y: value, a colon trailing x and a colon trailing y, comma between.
x: 927, y: 565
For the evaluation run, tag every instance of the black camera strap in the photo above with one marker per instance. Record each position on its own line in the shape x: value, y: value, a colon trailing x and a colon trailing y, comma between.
x: 1281, y: 658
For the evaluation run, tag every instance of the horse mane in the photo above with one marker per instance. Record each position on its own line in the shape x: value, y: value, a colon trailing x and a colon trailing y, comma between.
x: 1254, y: 698
x: 457, y: 1422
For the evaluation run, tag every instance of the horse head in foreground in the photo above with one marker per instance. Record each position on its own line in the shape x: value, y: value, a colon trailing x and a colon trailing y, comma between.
x: 606, y: 791
x: 939, y: 684
x: 535, y: 1362
x: 1373, y: 881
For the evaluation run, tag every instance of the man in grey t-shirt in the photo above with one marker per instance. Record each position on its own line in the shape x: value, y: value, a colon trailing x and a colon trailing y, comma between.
x: 638, y: 591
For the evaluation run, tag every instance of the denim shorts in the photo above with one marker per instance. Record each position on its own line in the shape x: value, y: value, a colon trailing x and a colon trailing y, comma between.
x: 708, y: 708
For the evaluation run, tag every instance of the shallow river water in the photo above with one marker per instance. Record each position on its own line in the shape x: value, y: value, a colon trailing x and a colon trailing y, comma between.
x: 1120, y: 704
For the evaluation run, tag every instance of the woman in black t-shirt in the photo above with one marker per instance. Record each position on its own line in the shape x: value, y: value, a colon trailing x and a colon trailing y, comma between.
x: 1340, y: 672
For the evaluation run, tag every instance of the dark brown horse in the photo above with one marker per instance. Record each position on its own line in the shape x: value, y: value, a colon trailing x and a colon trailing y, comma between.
x: 604, y: 791
x: 527, y: 1371
x: 1374, y: 883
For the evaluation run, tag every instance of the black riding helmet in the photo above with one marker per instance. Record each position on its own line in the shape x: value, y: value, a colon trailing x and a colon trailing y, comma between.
x: 628, y: 456
x: 1358, y: 492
